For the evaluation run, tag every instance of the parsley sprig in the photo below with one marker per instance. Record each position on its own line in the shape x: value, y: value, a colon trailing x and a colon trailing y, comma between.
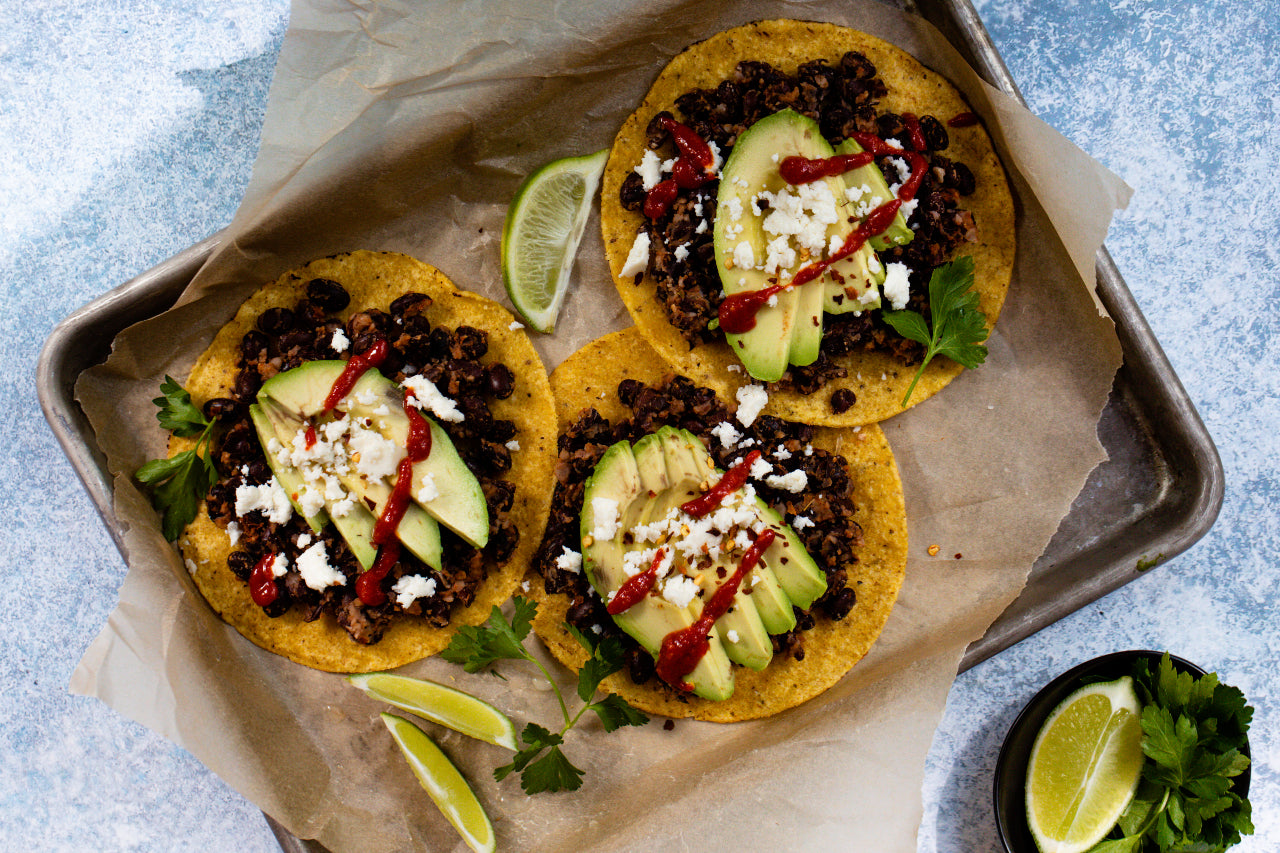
x: 541, y: 763
x: 959, y: 327
x: 1194, y: 731
x: 179, y: 483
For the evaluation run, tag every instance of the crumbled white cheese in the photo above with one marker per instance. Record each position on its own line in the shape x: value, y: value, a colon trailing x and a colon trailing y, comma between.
x: 680, y: 590
x: 728, y: 436
x: 409, y: 588
x: 760, y: 469
x: 733, y: 207
x: 303, y: 540
x: 605, y: 512
x: 782, y: 453
x: 279, y: 566
x: 681, y: 252
x: 427, y: 396
x: 896, y: 287
x: 744, y: 257
x: 649, y: 170
x: 233, y: 533
x: 751, y: 400
x: 515, y: 325
x: 191, y: 566
x: 792, y: 481
x: 375, y: 456
x: 638, y: 258
x: 732, y: 635
x: 513, y: 446
x: 716, y: 159
x: 428, y: 491
x: 339, y: 342
x: 313, y: 565
x: 569, y: 561
x: 800, y: 522
x: 269, y: 498
x: 702, y: 227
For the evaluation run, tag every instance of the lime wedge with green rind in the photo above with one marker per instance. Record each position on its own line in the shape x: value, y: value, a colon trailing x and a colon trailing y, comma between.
x: 451, y: 708
x: 443, y: 783
x: 540, y: 237
x: 1084, y: 767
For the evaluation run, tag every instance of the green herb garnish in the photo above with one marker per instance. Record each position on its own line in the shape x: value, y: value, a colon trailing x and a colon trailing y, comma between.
x: 1194, y: 731
x: 541, y: 763
x: 179, y: 483
x: 959, y: 327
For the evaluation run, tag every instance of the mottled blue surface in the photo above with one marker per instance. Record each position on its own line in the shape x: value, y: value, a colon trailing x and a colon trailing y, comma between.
x: 129, y: 132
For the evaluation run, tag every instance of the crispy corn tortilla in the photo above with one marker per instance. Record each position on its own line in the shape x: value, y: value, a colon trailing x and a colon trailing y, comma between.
x: 912, y: 88
x: 589, y: 378
x: 374, y: 280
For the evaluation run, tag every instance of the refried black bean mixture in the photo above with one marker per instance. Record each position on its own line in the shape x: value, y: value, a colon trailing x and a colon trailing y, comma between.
x: 843, y: 99
x: 287, y: 337
x: 678, y: 402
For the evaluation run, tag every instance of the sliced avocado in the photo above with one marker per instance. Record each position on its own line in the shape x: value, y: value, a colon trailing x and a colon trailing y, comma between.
x: 688, y: 467
x: 776, y: 611
x: 765, y: 350
x: 795, y: 569
x: 849, y: 278
x: 417, y: 530
x: 303, y: 390
x: 617, y: 478
x: 876, y: 193
x: 290, y: 478
x: 651, y: 465
x: 459, y: 503
x: 355, y: 525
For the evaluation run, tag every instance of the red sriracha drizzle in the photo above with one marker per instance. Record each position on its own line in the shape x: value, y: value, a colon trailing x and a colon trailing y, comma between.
x: 693, y: 168
x: 737, y: 313
x: 682, y: 649
x: 729, y: 483
x: 636, y: 588
x: 262, y: 582
x: 356, y: 367
x: 417, y: 448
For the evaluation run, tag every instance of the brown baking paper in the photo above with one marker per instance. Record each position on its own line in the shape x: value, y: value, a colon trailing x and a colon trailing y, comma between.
x: 407, y: 127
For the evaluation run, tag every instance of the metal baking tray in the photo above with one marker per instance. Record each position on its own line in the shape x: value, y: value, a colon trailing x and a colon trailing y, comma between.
x: 1158, y: 493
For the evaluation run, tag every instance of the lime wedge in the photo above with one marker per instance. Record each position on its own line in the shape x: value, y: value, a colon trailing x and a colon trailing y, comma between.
x: 540, y: 237
x: 1084, y: 767
x: 445, y: 785
x: 452, y: 708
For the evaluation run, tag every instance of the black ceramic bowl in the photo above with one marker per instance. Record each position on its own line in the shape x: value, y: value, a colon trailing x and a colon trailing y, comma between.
x: 1011, y: 768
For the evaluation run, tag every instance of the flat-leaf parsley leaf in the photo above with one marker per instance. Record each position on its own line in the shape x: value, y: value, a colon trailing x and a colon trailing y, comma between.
x: 541, y: 763
x: 959, y: 326
x: 179, y: 483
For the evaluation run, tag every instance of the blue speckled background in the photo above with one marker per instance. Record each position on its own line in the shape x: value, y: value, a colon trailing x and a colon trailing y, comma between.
x: 129, y: 133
